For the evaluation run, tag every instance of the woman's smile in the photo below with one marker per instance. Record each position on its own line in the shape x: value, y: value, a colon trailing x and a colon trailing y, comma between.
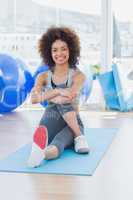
x: 60, y: 52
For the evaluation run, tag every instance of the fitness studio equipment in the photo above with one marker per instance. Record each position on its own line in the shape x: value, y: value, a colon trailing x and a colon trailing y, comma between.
x: 15, y: 83
x: 117, y: 88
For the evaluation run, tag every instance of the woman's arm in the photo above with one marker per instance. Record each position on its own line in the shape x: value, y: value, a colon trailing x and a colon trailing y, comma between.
x: 68, y: 95
x: 37, y: 95
x: 78, y: 82
x: 61, y: 100
x: 57, y: 95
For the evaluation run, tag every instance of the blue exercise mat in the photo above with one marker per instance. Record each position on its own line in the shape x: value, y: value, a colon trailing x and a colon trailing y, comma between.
x: 70, y: 163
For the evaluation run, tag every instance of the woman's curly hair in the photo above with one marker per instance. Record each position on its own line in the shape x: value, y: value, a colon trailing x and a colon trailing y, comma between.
x: 59, y: 33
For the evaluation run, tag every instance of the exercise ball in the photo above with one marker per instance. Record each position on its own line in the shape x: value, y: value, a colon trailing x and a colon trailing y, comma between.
x: 86, y: 90
x: 87, y: 87
x: 15, y: 83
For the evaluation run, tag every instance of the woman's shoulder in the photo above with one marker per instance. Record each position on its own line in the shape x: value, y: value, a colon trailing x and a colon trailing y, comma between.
x: 44, y: 74
x: 77, y: 71
x: 43, y: 77
x: 74, y: 74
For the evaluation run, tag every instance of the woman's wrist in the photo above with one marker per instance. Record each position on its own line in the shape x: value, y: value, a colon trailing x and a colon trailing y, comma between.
x: 57, y: 91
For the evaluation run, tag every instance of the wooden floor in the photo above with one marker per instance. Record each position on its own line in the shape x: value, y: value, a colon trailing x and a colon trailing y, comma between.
x: 112, y: 180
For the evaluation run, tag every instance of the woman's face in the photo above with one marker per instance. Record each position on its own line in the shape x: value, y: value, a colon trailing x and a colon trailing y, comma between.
x: 60, y: 52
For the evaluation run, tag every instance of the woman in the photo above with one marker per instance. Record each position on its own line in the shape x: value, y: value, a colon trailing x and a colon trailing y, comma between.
x: 60, y: 126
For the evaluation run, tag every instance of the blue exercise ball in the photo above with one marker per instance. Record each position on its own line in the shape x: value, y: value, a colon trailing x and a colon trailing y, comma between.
x: 85, y: 93
x: 29, y: 80
x: 15, y: 83
x: 87, y: 87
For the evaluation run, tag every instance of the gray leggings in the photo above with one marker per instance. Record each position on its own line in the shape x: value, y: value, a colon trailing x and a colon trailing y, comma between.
x: 59, y: 133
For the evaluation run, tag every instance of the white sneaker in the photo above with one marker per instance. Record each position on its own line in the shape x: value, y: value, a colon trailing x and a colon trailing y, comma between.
x: 40, y: 140
x: 81, y: 145
x: 36, y: 156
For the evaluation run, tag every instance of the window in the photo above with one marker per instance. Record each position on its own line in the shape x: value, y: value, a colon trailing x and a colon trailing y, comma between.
x: 29, y: 19
x: 22, y: 23
x: 123, y: 44
x: 123, y: 29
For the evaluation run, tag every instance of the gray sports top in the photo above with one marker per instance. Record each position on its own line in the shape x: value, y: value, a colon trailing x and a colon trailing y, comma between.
x: 71, y: 72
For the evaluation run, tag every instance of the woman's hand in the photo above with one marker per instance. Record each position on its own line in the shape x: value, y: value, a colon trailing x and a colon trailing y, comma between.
x: 66, y: 95
x: 37, y: 95
x: 67, y: 92
x: 61, y: 100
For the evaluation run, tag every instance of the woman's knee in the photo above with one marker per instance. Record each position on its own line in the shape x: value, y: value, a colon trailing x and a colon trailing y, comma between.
x: 65, y: 108
x: 51, y: 152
